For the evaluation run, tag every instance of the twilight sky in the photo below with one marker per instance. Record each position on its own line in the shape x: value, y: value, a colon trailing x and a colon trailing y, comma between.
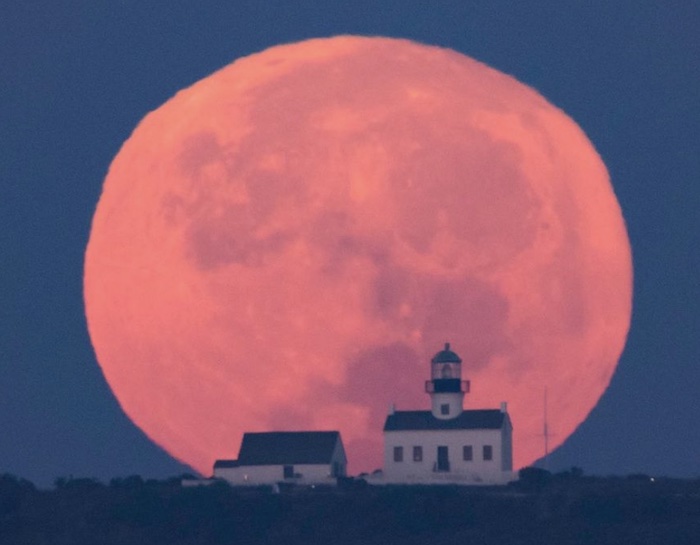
x: 75, y: 78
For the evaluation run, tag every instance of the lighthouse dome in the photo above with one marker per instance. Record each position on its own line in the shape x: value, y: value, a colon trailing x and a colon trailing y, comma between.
x: 446, y: 356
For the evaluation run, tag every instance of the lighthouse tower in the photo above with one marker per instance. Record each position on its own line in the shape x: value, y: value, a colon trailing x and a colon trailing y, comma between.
x: 446, y: 387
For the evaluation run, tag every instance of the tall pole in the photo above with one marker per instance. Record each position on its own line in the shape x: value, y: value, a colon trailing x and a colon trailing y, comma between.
x: 546, y: 433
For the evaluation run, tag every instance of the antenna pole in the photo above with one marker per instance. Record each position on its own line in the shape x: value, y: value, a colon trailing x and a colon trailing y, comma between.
x: 546, y: 432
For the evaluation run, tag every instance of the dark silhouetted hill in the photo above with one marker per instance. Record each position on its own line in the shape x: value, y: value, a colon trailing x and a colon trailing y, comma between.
x: 541, y: 508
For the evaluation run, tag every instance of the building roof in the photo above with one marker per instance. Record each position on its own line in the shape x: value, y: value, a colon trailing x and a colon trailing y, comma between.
x: 483, y: 419
x: 446, y: 356
x: 294, y: 447
x: 225, y: 463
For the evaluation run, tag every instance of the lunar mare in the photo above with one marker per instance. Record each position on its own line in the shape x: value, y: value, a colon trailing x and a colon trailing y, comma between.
x: 284, y: 245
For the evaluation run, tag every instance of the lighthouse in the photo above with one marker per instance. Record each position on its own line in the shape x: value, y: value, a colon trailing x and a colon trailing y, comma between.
x: 446, y: 387
x: 448, y: 444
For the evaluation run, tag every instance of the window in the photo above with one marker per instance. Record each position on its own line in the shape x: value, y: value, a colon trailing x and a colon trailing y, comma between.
x: 467, y: 453
x: 288, y: 472
x: 444, y: 408
x: 398, y: 454
x: 488, y: 452
x: 417, y: 454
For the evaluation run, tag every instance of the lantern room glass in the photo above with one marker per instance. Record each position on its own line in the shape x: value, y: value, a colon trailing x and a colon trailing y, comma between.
x: 446, y: 370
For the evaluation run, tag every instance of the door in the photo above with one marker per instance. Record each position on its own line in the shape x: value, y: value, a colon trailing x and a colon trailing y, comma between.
x: 443, y: 462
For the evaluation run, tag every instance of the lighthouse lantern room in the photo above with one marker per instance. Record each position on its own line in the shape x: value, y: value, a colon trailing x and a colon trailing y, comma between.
x: 446, y: 387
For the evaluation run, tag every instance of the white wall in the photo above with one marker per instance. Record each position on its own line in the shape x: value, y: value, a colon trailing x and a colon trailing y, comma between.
x: 477, y: 471
x: 261, y: 475
x: 339, y: 457
x: 507, y: 454
x: 454, y: 400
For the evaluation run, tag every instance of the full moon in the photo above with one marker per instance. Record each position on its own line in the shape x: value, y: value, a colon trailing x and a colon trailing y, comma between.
x: 286, y: 243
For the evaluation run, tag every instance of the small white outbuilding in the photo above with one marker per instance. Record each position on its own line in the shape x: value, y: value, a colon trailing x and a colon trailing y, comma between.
x: 448, y: 445
x: 299, y: 457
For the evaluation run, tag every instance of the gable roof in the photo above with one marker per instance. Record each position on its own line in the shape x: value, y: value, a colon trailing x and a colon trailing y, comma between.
x: 288, y: 447
x: 483, y: 419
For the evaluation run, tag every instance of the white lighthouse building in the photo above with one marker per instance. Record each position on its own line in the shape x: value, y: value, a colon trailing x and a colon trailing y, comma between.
x: 448, y: 445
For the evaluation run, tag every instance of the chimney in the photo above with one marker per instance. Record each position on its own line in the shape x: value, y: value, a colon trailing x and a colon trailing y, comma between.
x: 392, y: 409
x: 504, y: 407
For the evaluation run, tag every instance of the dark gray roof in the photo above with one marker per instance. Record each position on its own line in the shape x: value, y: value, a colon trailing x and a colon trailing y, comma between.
x: 225, y: 463
x: 288, y: 447
x: 483, y: 419
x: 446, y: 356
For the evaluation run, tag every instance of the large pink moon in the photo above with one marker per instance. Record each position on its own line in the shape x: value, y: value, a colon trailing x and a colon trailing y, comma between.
x: 285, y: 244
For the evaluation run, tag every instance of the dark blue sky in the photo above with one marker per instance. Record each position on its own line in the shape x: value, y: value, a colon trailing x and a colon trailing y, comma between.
x: 76, y: 77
